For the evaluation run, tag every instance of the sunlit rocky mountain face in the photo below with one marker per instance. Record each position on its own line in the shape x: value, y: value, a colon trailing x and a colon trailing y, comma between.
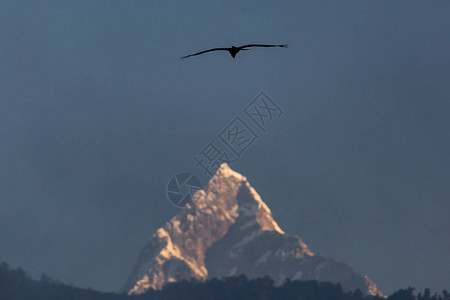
x: 230, y: 231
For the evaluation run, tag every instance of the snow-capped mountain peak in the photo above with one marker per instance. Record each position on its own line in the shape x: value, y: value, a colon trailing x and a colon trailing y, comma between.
x: 230, y: 231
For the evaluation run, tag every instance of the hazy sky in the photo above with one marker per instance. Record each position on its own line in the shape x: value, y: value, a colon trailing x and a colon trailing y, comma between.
x: 97, y: 112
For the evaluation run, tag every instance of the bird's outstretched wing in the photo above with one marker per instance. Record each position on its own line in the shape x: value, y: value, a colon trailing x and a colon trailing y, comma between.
x: 261, y: 45
x: 213, y: 49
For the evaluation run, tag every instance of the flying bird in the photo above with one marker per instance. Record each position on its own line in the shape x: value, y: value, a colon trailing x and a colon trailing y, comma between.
x: 234, y: 50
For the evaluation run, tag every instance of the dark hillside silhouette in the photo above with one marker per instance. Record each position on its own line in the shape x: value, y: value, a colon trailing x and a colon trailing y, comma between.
x: 15, y: 284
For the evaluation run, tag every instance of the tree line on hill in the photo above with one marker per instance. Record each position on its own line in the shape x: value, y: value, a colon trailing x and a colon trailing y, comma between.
x: 15, y: 284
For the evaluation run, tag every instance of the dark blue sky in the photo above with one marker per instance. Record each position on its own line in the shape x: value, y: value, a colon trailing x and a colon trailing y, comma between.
x: 97, y: 113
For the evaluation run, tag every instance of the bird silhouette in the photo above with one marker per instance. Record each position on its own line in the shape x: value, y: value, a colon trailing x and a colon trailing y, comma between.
x: 234, y: 50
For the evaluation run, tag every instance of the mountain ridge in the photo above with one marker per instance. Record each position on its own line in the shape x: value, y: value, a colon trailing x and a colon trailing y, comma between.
x: 230, y: 231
